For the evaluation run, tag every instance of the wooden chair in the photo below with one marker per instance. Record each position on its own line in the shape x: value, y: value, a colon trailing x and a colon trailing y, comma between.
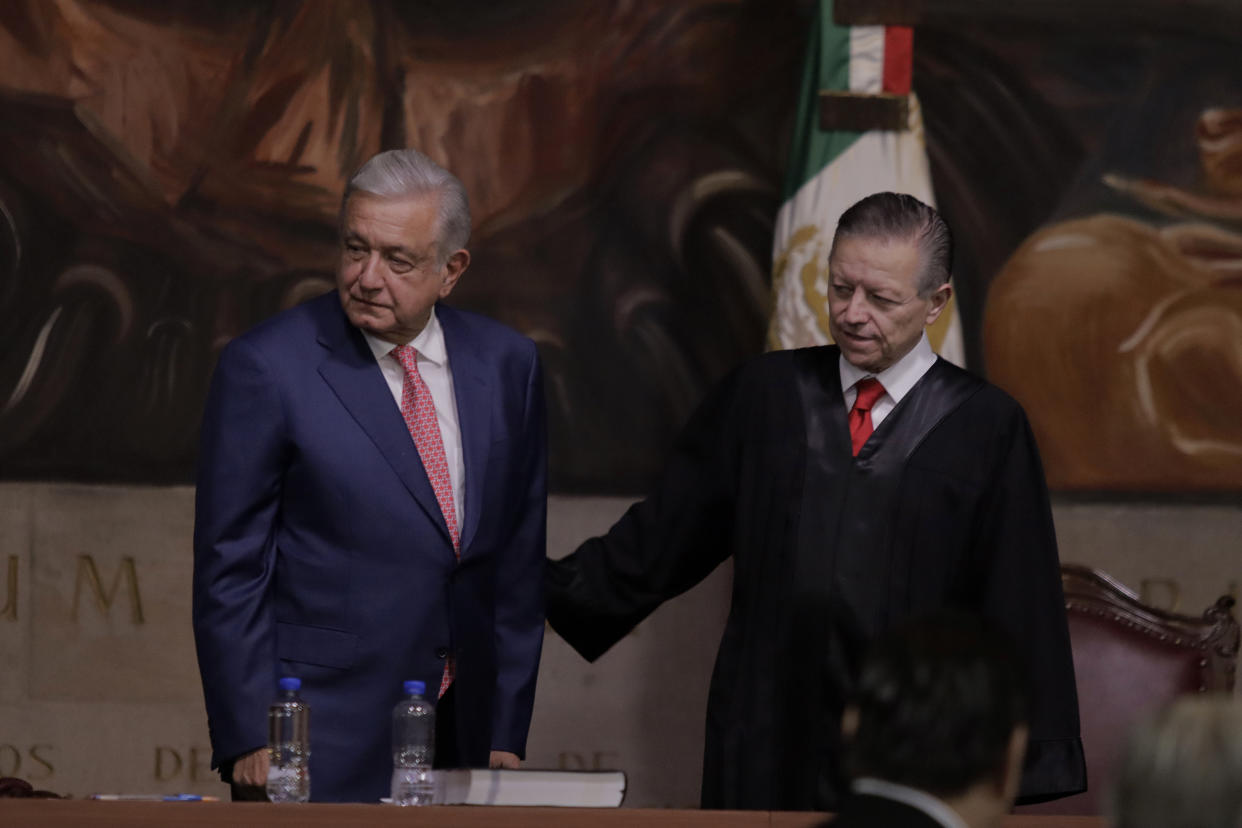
x: 1130, y: 659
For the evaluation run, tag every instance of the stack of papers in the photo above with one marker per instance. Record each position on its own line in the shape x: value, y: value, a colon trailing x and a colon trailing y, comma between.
x: 573, y: 789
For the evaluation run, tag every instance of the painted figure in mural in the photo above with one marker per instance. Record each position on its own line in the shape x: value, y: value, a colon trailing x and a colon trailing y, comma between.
x: 934, y: 734
x: 350, y: 449
x: 838, y: 533
x: 1146, y: 317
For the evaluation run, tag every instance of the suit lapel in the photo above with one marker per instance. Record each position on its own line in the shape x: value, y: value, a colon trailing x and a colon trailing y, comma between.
x: 350, y: 369
x: 473, y: 393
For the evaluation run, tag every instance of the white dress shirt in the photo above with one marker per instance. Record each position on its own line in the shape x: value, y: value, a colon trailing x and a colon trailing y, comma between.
x: 897, y: 379
x: 433, y: 367
x: 921, y: 800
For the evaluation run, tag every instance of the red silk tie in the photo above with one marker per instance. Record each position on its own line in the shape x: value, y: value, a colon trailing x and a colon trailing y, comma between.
x: 869, y: 390
x: 419, y: 412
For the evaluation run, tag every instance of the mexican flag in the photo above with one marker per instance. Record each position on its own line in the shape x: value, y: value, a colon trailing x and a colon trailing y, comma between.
x: 830, y: 170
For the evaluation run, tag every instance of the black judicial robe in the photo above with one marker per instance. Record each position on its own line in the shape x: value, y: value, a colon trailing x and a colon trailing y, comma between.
x: 946, y: 505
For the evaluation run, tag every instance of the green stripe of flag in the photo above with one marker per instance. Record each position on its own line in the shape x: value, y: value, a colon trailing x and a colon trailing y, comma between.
x: 827, y: 66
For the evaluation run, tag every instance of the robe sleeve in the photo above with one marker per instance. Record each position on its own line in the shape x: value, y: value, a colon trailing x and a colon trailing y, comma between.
x: 662, y: 546
x: 1016, y: 553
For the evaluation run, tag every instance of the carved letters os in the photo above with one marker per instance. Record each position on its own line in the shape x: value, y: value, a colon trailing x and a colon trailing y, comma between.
x: 89, y: 573
x: 37, y: 765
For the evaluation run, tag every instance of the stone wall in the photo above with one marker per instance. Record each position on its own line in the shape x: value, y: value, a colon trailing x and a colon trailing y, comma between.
x: 99, y: 690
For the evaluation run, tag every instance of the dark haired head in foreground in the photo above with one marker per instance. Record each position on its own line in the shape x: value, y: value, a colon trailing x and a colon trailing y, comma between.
x: 936, y: 729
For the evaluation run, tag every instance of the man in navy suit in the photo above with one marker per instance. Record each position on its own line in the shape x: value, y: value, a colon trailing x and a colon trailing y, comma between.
x: 935, y: 732
x: 371, y: 504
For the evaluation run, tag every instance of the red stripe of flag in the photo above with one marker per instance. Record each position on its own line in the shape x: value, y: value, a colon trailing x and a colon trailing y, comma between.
x: 898, y: 59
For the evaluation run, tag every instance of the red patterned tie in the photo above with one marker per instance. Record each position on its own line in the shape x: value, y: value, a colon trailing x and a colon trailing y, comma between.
x: 419, y: 412
x: 869, y: 390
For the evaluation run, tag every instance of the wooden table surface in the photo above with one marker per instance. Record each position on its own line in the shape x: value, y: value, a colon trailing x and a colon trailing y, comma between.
x: 32, y: 813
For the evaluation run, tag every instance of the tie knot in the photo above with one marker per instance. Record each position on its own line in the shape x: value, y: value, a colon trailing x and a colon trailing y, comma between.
x: 869, y: 390
x: 407, y: 356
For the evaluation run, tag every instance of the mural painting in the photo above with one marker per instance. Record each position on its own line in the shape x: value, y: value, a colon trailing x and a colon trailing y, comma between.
x: 170, y: 174
x: 1090, y: 161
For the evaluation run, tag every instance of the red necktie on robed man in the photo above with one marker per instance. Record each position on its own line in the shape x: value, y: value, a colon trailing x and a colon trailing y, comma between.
x: 419, y: 412
x: 869, y: 390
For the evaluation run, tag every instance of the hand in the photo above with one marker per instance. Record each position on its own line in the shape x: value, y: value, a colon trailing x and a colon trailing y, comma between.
x: 251, y: 768
x: 504, y: 759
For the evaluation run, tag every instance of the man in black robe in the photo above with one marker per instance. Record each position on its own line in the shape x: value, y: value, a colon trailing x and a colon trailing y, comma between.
x: 944, y: 505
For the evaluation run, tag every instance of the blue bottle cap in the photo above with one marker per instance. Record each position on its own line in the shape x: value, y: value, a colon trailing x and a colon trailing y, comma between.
x: 290, y: 683
x: 414, y: 688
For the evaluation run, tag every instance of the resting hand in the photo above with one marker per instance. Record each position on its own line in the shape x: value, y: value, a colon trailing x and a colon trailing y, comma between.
x: 251, y: 768
x: 504, y: 759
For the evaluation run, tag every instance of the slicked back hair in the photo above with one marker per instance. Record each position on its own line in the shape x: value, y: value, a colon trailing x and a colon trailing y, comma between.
x: 938, y: 702
x: 901, y: 217
x: 404, y: 173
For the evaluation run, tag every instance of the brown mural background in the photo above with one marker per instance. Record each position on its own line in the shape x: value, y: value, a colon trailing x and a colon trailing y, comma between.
x: 1089, y: 157
x: 170, y: 173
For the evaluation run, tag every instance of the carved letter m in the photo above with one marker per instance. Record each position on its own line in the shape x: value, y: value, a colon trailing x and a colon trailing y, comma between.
x: 90, y: 574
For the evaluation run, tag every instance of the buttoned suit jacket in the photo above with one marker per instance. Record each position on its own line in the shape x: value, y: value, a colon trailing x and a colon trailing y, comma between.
x: 320, y: 550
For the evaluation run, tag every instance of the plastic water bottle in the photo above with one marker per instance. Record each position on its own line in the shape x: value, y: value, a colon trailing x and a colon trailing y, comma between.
x: 288, y: 743
x: 413, y: 747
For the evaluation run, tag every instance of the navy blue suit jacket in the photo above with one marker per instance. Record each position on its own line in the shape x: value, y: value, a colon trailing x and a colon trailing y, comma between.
x: 320, y: 550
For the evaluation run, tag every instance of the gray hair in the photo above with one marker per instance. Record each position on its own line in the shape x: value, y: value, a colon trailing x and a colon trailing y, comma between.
x: 407, y: 172
x: 1183, y: 767
x: 901, y: 217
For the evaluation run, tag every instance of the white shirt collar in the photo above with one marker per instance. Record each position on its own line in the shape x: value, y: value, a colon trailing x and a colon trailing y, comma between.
x: 899, y: 377
x: 921, y: 800
x: 429, y: 343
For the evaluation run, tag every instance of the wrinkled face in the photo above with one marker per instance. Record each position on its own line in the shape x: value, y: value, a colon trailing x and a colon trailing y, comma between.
x: 875, y: 313
x: 389, y: 274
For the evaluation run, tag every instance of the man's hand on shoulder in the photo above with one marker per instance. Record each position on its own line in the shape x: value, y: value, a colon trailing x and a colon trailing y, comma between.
x: 251, y: 768
x: 504, y: 759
